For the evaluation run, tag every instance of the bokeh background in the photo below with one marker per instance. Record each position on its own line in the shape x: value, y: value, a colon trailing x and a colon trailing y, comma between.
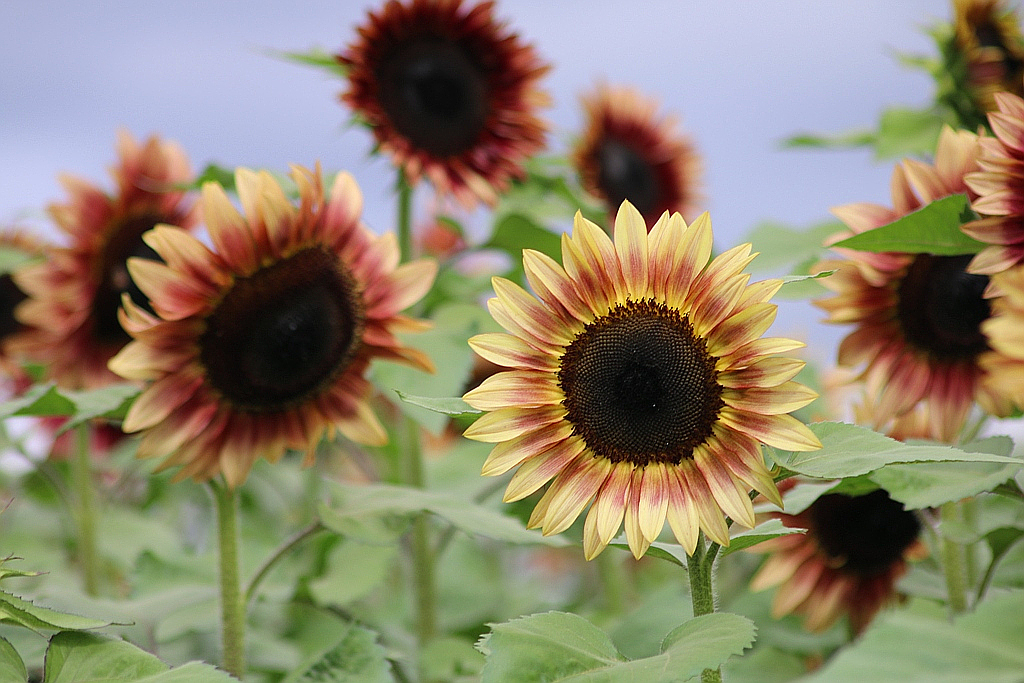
x: 741, y: 75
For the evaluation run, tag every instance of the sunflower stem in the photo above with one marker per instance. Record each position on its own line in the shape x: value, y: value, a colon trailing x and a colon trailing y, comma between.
x: 953, y: 562
x: 404, y: 217
x: 283, y: 551
x: 423, y: 556
x: 83, y: 482
x: 232, y: 608
x: 700, y: 567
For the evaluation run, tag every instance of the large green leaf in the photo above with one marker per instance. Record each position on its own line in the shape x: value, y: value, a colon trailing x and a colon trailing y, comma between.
x: 986, y: 646
x: 930, y: 484
x: 45, y: 400
x: 849, y: 450
x: 353, y: 657
x: 557, y: 646
x: 378, y: 512
x: 932, y: 229
x: 515, y: 232
x: 739, y: 540
x: 75, y: 657
x: 781, y: 247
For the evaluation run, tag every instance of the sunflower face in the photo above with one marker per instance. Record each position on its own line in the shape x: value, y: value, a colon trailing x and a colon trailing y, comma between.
x: 262, y: 345
x: 628, y: 152
x: 74, y: 296
x: 848, y: 562
x: 639, y: 384
x: 449, y: 94
x: 1004, y: 365
x: 918, y: 317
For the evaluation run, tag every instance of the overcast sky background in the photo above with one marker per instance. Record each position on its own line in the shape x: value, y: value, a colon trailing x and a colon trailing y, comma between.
x: 741, y: 75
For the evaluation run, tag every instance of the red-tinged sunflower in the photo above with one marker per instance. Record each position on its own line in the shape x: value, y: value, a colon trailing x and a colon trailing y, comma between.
x: 629, y: 152
x: 999, y: 187
x: 74, y: 295
x: 987, y: 36
x: 855, y: 550
x: 1005, y: 331
x: 639, y: 382
x: 262, y: 344
x: 917, y: 317
x: 18, y: 248
x: 449, y: 93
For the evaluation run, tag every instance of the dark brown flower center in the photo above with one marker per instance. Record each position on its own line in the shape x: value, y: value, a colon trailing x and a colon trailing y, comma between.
x: 284, y: 333
x: 10, y: 296
x: 640, y: 385
x: 941, y: 307
x: 113, y: 280
x: 624, y: 173
x: 435, y: 94
x: 862, y: 535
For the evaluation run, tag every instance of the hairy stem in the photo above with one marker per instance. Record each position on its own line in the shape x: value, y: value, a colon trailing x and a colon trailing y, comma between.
x: 83, y: 483
x: 702, y: 592
x: 232, y: 608
x: 954, y: 563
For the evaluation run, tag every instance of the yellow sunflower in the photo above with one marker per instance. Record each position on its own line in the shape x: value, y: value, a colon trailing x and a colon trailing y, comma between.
x: 74, y: 295
x: 848, y: 562
x: 988, y: 36
x: 449, y: 93
x: 999, y: 186
x: 917, y: 317
x: 1004, y: 365
x: 639, y: 381
x: 262, y: 344
x: 629, y: 152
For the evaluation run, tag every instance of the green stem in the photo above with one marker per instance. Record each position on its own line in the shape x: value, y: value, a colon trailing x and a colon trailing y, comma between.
x: 953, y: 563
x: 702, y: 592
x: 83, y: 483
x: 404, y: 217
x: 290, y: 544
x: 422, y: 551
x: 232, y: 608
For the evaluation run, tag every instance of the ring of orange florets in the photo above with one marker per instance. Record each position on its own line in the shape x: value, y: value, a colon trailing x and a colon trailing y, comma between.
x: 640, y: 385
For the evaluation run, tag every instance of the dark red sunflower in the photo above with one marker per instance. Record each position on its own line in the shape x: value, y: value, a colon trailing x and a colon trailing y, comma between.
x: 449, y: 93
x: 74, y: 295
x: 629, y: 152
x: 848, y: 562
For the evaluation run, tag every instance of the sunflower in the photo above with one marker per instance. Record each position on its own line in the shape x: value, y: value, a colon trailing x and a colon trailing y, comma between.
x: 628, y: 152
x: 74, y: 295
x: 848, y: 562
x: 999, y: 187
x: 262, y: 345
x: 17, y: 247
x: 917, y: 316
x: 449, y: 93
x: 987, y: 36
x: 639, y: 381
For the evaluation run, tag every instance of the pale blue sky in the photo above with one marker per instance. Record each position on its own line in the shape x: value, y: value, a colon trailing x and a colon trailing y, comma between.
x: 741, y: 75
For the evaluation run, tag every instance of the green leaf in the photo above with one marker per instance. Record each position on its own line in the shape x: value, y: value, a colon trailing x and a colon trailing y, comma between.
x: 12, y: 258
x: 353, y: 570
x: 858, y: 138
x: 515, y: 232
x: 906, y: 132
x: 558, y: 646
x: 12, y: 669
x: 795, y: 286
x: 849, y: 450
x: 773, y: 528
x: 47, y: 400
x: 378, y: 513
x: 932, y: 229
x: 782, y: 247
x: 15, y: 610
x: 354, y: 657
x: 75, y: 657
x: 930, y: 484
x: 452, y: 407
x: 986, y: 646
x: 315, y: 57
x: 214, y: 173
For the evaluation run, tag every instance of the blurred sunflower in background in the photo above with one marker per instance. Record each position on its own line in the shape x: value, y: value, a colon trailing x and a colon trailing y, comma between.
x: 262, y: 344
x: 917, y: 317
x: 449, y: 93
x: 628, y: 152
x: 639, y: 382
x: 987, y: 37
x: 73, y: 295
x: 855, y: 550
